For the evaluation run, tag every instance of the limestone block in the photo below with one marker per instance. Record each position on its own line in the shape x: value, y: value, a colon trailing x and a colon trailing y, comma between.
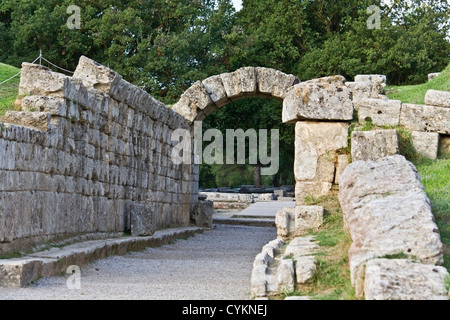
x: 316, y: 144
x: 216, y: 90
x: 232, y: 84
x: 438, y: 98
x: 199, y: 96
x: 320, y: 99
x: 286, y: 276
x: 394, y: 279
x: 229, y: 197
x: 258, y: 281
x: 306, y: 188
x: 380, y: 112
x: 247, y: 77
x: 202, y: 214
x: 143, y: 220
x: 93, y: 74
x: 294, y: 222
x: 307, y: 218
x: 301, y: 246
x: 373, y: 145
x: 35, y: 120
x: 265, y: 197
x: 387, y: 212
x: 342, y: 163
x: 41, y: 81
x: 444, y: 144
x: 425, y: 118
x: 426, y: 143
x: 274, y: 82
x: 305, y: 267
x: 51, y: 105
x: 186, y: 108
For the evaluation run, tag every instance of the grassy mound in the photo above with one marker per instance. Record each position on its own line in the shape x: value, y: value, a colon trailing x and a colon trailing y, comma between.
x: 416, y: 94
x: 8, y: 90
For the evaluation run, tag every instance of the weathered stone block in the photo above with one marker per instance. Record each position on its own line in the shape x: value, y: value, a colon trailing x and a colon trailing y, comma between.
x: 426, y: 143
x: 380, y: 112
x: 315, y: 189
x: 93, y: 74
x: 286, y: 276
x: 275, y: 83
x: 143, y: 220
x: 394, y: 279
x: 232, y: 84
x: 51, y: 105
x: 35, y: 120
x: 294, y: 222
x: 373, y: 145
x: 316, y: 144
x: 216, y: 90
x: 40, y: 81
x: 342, y: 164
x: 425, y: 118
x: 321, y: 99
x: 202, y: 214
x: 387, y: 212
x: 438, y: 98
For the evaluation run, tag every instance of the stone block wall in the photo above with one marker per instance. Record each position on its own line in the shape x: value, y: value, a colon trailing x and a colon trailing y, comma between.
x: 81, y: 152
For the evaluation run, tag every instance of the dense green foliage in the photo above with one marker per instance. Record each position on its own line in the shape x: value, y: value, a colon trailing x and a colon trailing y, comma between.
x: 164, y: 46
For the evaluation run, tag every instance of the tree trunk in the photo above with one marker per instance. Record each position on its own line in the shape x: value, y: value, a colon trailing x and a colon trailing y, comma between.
x: 257, y: 175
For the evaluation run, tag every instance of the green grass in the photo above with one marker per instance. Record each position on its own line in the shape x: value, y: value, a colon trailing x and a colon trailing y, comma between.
x: 8, y: 90
x: 435, y: 176
x: 416, y: 94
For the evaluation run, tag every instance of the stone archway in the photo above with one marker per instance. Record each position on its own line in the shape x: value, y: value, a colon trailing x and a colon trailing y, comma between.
x: 321, y: 108
x: 203, y: 97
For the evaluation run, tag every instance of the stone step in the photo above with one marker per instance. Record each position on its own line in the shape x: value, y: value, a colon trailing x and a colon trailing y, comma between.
x: 20, y: 272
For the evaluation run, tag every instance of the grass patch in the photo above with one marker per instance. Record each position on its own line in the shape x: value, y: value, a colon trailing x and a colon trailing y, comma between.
x: 416, y: 94
x: 332, y: 278
x: 435, y: 176
x: 8, y: 90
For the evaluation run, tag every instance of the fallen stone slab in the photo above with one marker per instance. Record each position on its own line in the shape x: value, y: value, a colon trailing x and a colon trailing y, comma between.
x: 20, y: 272
x: 294, y: 222
x: 387, y: 213
x: 438, y: 98
x: 396, y: 279
x: 373, y: 145
x: 433, y: 75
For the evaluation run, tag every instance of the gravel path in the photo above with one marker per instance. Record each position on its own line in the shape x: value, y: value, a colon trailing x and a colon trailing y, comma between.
x: 215, y: 265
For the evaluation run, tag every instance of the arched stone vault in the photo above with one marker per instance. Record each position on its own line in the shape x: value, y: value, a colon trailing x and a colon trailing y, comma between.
x: 321, y: 108
x: 203, y: 97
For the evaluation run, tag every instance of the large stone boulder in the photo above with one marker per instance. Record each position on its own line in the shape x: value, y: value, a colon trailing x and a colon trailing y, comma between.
x: 438, y: 98
x: 202, y: 214
x: 319, y: 99
x: 402, y: 279
x: 387, y: 212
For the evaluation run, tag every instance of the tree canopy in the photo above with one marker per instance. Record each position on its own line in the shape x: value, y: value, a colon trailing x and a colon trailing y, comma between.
x: 164, y: 46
